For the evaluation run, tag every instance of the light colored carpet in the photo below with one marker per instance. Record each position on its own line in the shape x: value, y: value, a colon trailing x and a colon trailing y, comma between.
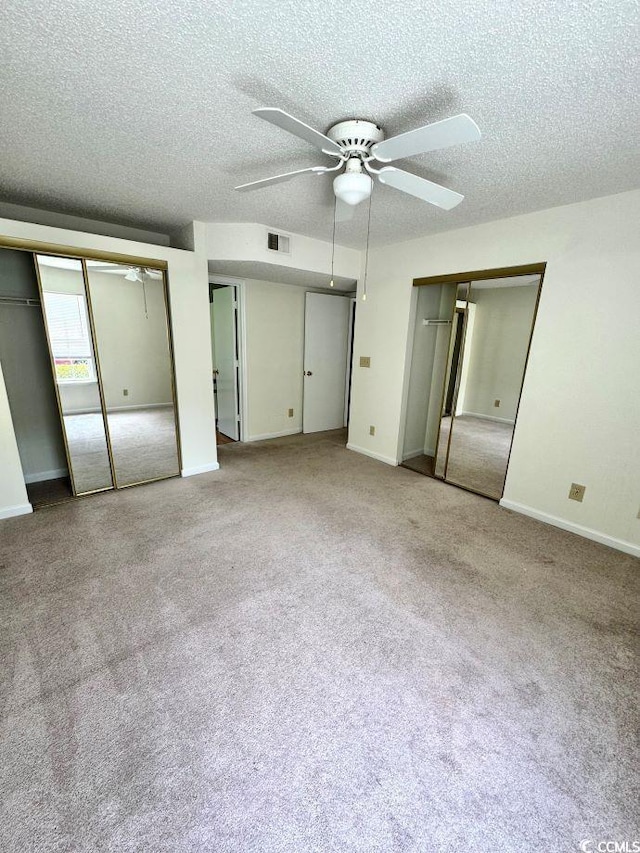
x: 143, y: 443
x: 312, y: 651
x: 479, y: 453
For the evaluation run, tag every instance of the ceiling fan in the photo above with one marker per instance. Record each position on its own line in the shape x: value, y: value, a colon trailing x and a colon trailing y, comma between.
x: 359, y: 144
x: 129, y: 272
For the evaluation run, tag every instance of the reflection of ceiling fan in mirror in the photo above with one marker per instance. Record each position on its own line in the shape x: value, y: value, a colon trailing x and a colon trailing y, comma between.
x: 130, y: 273
x: 358, y: 145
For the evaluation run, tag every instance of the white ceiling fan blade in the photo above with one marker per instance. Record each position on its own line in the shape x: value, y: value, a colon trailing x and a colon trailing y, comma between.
x: 121, y: 269
x: 298, y: 128
x: 419, y: 187
x: 277, y: 179
x: 344, y: 211
x: 431, y: 137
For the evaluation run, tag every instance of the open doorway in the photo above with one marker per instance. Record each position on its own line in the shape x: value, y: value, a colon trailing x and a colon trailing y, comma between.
x: 224, y: 302
x: 281, y: 356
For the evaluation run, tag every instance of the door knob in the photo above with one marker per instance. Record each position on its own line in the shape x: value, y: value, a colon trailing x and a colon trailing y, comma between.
x: 308, y: 373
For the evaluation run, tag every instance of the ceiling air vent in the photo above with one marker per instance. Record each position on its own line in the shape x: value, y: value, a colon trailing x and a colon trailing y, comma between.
x: 279, y: 242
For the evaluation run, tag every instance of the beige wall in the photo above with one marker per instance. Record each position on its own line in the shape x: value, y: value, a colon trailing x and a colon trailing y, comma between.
x: 274, y: 347
x: 578, y: 421
x: 247, y: 241
x: 498, y: 349
x: 133, y: 349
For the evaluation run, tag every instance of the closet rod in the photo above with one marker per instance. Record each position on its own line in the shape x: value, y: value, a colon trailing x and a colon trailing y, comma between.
x: 19, y: 300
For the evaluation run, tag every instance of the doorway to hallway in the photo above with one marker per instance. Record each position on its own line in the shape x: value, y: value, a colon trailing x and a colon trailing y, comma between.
x: 225, y: 351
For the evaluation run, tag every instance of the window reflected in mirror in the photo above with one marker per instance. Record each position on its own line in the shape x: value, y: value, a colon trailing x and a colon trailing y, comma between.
x: 68, y: 326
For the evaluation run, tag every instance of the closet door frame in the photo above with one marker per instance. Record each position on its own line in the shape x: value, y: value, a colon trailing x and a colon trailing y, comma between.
x: 454, y: 402
x: 174, y: 384
x: 96, y: 355
x: 76, y: 493
x: 468, y: 278
x: 38, y: 247
x: 174, y: 391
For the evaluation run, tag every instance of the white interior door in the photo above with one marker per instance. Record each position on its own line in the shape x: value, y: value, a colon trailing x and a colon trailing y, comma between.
x: 225, y: 361
x: 326, y: 337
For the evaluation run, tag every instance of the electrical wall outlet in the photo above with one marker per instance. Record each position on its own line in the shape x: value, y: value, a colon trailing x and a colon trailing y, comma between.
x: 290, y: 413
x: 365, y: 361
x: 372, y: 430
x: 125, y: 392
x: 576, y: 492
x: 496, y: 404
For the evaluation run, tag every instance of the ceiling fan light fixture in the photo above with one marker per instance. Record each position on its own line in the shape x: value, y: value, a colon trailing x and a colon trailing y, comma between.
x: 360, y: 141
x: 352, y: 187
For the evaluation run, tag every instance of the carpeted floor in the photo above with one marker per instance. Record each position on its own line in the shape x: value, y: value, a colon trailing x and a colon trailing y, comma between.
x: 479, y: 453
x: 309, y: 650
x: 143, y: 442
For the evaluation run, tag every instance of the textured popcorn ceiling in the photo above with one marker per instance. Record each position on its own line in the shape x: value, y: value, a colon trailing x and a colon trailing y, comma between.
x: 139, y: 112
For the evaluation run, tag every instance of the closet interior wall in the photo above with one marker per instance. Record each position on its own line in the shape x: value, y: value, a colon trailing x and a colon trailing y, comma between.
x: 24, y: 356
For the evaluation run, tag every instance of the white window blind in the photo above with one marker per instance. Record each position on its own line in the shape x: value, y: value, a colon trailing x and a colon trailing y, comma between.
x: 68, y: 326
x: 67, y: 322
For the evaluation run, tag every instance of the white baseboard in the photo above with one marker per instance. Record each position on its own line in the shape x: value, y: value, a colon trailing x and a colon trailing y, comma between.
x: 586, y: 532
x: 200, y: 469
x: 10, y: 511
x: 141, y: 406
x: 411, y: 454
x: 424, y: 451
x: 386, y: 459
x: 91, y: 410
x: 267, y: 435
x: 39, y: 476
x: 509, y: 421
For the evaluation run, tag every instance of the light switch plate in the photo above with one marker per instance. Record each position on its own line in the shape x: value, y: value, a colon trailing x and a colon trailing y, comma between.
x: 365, y: 361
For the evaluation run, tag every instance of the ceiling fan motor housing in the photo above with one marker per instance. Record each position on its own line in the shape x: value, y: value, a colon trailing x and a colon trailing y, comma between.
x: 356, y: 136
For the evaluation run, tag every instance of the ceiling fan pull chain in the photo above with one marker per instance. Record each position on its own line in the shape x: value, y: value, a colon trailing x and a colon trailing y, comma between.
x: 333, y: 239
x: 366, y: 255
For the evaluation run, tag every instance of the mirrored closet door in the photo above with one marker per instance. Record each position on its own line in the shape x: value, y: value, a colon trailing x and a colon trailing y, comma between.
x: 75, y: 371
x: 107, y: 333
x: 499, y: 322
x: 470, y: 348
x: 132, y: 336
